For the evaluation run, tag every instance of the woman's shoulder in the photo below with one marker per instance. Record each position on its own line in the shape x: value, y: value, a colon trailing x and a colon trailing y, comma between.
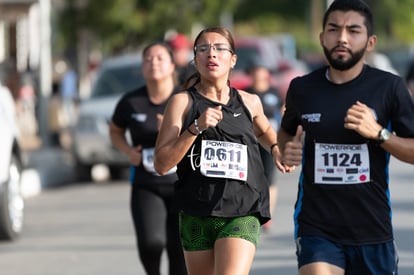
x: 252, y: 102
x: 181, y: 95
x: 249, y: 98
x: 181, y: 100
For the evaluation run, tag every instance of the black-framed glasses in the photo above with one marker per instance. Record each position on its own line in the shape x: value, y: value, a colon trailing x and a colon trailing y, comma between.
x: 218, y: 47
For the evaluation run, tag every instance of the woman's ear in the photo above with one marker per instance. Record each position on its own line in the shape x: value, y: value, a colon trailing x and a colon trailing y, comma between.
x: 233, y: 61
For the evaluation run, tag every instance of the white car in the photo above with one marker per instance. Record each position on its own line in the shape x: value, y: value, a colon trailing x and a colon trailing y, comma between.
x: 11, y: 197
x: 91, y: 142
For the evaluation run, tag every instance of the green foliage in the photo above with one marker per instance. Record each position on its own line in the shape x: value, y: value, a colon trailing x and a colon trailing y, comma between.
x: 289, y: 9
x: 125, y: 23
x: 118, y: 24
x: 394, y: 22
x: 115, y: 22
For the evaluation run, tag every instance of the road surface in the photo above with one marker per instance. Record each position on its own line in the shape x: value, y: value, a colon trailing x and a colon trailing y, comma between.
x: 86, y: 229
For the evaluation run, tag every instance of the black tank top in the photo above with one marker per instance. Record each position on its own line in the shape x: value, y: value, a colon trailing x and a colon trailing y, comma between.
x: 206, y: 196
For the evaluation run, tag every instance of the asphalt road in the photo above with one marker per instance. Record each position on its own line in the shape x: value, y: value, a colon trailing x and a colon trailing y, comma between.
x: 85, y: 229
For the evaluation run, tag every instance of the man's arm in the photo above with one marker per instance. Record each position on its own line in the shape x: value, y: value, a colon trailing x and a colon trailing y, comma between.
x: 361, y: 119
x: 401, y: 148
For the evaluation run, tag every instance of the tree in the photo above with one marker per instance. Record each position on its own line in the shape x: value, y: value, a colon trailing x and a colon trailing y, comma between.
x: 118, y: 24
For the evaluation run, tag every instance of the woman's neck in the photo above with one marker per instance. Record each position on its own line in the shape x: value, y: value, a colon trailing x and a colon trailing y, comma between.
x: 219, y: 93
x: 159, y: 91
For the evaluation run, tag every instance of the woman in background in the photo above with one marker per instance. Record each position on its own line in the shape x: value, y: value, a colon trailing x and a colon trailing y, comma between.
x: 140, y: 112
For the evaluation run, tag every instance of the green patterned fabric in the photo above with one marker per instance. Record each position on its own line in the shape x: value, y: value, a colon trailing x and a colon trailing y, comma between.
x: 200, y: 233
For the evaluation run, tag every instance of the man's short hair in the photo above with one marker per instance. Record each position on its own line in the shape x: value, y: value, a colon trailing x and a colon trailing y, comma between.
x: 352, y: 5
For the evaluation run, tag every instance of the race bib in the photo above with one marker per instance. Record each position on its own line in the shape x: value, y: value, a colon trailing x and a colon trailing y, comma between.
x: 341, y: 163
x: 148, y: 162
x: 222, y: 159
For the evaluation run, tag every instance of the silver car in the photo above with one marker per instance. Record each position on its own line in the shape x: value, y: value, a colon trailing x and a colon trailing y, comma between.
x: 91, y: 142
x: 11, y: 198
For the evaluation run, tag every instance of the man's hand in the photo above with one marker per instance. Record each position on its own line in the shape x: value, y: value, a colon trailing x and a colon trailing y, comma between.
x: 362, y: 120
x: 292, y: 154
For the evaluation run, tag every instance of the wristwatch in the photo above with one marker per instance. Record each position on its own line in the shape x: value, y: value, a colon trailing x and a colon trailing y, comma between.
x: 383, y: 135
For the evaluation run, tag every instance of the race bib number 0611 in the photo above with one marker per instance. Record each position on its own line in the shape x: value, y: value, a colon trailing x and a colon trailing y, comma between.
x: 341, y: 163
x: 222, y: 159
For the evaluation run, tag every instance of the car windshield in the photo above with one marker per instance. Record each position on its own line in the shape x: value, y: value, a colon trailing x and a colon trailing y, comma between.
x: 247, y: 53
x: 244, y: 55
x: 118, y: 80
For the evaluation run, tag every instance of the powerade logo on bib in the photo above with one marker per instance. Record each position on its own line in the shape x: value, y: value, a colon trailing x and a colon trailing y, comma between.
x: 222, y: 159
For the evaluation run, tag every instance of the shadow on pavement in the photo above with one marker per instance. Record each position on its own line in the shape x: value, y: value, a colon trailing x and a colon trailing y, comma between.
x: 48, y: 166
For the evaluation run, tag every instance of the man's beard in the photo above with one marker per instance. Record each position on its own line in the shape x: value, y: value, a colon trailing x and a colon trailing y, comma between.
x: 339, y: 63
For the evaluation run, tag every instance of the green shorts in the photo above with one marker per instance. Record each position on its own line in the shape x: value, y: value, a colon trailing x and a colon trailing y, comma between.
x: 200, y: 233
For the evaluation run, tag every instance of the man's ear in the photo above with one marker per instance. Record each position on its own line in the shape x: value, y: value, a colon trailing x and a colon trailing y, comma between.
x: 321, y: 39
x: 372, y: 41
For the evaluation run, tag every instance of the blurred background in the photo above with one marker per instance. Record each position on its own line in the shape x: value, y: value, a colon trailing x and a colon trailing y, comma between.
x: 47, y: 45
x: 67, y: 63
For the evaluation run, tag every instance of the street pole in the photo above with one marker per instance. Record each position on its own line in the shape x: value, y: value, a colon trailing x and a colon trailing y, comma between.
x: 45, y: 72
x: 317, y: 9
x: 328, y: 3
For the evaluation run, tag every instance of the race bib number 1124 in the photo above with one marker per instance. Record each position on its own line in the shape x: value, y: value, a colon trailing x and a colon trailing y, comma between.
x: 341, y: 163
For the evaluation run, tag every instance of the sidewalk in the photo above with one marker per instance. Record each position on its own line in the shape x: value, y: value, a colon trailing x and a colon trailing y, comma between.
x: 46, y: 166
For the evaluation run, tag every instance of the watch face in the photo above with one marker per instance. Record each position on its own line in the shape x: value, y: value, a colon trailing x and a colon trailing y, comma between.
x: 385, y: 135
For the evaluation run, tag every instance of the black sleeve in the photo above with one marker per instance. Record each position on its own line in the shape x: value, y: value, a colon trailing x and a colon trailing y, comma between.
x: 291, y: 116
x: 403, y: 111
x: 119, y: 116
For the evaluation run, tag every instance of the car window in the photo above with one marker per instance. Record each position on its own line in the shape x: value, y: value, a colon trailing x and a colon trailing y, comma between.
x: 265, y: 50
x: 118, y: 80
x: 245, y: 54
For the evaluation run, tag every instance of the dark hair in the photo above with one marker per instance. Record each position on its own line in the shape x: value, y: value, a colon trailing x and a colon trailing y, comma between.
x: 352, y: 5
x: 195, y: 78
x: 159, y: 43
x: 220, y: 30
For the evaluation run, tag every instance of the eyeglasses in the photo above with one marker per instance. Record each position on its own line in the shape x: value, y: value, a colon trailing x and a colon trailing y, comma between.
x: 219, y: 48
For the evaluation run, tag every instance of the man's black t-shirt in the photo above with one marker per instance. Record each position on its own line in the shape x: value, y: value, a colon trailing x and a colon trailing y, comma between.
x: 344, y: 183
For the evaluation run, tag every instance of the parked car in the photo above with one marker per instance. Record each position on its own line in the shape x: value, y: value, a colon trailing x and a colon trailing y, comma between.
x: 91, y: 144
x: 247, y: 49
x: 277, y: 52
x: 401, y: 58
x: 11, y: 167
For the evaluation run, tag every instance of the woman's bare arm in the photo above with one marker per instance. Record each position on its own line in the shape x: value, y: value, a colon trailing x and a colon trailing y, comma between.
x: 170, y: 146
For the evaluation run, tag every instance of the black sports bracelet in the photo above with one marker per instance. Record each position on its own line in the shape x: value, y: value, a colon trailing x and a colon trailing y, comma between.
x: 271, y: 148
x: 194, y: 134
